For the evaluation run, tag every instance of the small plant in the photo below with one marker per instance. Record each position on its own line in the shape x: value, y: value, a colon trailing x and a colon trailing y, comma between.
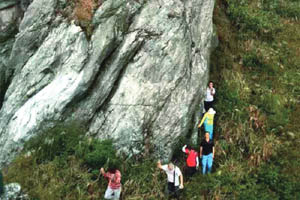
x: 252, y: 60
x: 81, y: 11
x: 287, y: 9
x: 254, y: 20
x: 83, y: 14
x: 95, y: 153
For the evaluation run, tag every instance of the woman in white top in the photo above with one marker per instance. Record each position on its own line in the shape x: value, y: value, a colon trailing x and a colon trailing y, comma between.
x: 209, y: 98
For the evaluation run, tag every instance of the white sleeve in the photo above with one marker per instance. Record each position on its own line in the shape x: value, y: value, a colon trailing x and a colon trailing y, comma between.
x: 164, y: 167
x: 214, y: 91
x: 178, y: 171
x: 197, y: 161
x: 183, y: 148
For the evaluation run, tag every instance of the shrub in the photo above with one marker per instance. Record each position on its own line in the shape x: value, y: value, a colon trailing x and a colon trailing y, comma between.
x: 251, y: 19
x: 96, y: 154
x: 251, y: 59
x: 83, y: 13
x: 58, y: 141
x: 278, y: 114
x: 287, y: 8
x: 276, y: 181
x: 1, y: 184
x: 229, y: 98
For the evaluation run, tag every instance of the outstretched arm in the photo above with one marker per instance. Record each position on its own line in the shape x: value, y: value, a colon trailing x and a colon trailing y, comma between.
x: 102, y: 171
x: 159, y: 164
x: 202, y: 120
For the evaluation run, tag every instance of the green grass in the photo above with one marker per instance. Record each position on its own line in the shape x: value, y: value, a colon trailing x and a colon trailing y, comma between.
x: 256, y: 67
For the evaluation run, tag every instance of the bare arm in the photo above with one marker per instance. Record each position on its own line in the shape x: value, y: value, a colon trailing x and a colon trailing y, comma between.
x: 200, y: 152
x: 102, y: 171
x: 181, y: 181
x: 159, y: 164
x: 213, y: 152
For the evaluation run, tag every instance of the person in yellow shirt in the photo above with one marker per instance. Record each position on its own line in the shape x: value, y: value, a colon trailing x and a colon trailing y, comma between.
x: 208, y: 120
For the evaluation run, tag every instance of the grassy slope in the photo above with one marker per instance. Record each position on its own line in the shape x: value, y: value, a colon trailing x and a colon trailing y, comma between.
x: 256, y: 73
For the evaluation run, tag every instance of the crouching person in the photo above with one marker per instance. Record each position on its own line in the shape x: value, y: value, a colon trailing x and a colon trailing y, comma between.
x: 113, y: 176
x: 173, y: 174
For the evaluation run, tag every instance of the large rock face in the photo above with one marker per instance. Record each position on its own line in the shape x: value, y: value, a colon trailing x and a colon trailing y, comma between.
x: 139, y: 80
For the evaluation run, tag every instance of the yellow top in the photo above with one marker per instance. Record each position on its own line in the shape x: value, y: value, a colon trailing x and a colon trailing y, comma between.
x: 209, y: 119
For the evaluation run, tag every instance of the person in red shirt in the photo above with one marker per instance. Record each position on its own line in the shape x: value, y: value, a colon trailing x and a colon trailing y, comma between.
x: 113, y: 176
x: 192, y: 160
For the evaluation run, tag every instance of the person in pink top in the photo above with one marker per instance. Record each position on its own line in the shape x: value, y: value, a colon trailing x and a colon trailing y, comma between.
x: 113, y: 176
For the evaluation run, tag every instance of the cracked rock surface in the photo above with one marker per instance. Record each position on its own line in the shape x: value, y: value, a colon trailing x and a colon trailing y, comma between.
x: 138, y: 80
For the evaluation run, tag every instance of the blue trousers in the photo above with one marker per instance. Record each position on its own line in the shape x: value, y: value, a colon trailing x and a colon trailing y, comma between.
x: 209, y: 128
x: 207, y: 162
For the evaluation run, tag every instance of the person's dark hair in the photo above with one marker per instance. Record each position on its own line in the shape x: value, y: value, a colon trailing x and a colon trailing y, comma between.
x: 113, y: 166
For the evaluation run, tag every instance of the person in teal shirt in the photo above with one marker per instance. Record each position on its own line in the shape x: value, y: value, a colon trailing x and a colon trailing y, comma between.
x: 208, y: 120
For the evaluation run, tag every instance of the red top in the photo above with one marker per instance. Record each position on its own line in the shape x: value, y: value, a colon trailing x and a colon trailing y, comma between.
x: 114, y: 180
x: 191, y: 159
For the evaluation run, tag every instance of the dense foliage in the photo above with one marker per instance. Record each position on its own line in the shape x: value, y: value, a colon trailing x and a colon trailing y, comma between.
x: 256, y: 73
x: 1, y: 184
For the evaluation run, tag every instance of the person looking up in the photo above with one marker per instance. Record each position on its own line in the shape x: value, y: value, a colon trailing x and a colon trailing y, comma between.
x: 209, y: 96
x: 173, y: 176
x: 207, y: 153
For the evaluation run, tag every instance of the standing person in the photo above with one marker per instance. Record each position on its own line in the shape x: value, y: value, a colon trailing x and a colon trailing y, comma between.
x: 174, y: 174
x: 192, y: 160
x: 209, y: 97
x: 208, y: 120
x: 113, y: 175
x: 207, y: 153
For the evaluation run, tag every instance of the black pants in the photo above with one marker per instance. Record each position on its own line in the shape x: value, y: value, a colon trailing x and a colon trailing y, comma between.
x: 172, y: 190
x: 208, y: 105
x: 190, y: 171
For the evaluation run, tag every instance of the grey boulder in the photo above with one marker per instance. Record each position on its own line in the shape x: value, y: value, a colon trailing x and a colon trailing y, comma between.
x: 139, y: 79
